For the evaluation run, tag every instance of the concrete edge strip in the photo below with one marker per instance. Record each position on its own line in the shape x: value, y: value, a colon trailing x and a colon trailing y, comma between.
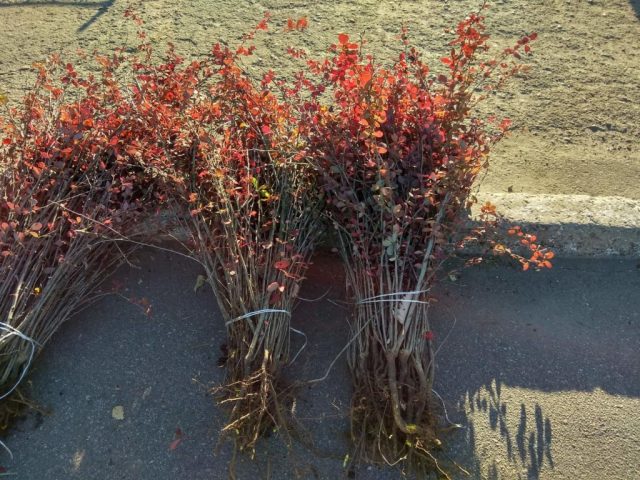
x: 574, y: 225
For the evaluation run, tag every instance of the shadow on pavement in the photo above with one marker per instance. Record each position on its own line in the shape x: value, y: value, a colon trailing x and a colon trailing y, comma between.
x: 574, y: 328
x: 636, y: 6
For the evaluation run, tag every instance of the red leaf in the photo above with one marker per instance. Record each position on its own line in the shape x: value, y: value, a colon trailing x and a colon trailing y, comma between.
x: 302, y: 23
x: 266, y: 129
x: 6, y: 141
x: 177, y: 439
x: 343, y: 38
x: 282, y: 264
x: 290, y: 25
x: 364, y: 78
x: 505, y: 124
x: 36, y: 227
x: 263, y: 25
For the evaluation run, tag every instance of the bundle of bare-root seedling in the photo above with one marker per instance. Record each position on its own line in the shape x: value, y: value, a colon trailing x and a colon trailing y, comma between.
x: 254, y: 219
x: 399, y: 151
x: 73, y: 187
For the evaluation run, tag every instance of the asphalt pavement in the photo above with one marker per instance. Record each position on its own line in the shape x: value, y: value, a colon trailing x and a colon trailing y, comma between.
x: 540, y: 369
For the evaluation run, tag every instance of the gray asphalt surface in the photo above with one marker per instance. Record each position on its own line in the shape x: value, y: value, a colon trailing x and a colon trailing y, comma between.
x: 540, y: 368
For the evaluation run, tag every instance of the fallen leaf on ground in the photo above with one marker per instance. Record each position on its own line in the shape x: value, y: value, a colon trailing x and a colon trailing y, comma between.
x: 146, y: 393
x: 178, y: 438
x: 200, y: 281
x: 118, y: 412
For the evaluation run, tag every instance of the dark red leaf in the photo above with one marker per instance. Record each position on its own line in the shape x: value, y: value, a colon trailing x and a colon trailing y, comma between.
x: 282, y: 264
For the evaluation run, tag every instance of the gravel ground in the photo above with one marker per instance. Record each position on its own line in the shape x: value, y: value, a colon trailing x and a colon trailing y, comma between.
x: 576, y: 117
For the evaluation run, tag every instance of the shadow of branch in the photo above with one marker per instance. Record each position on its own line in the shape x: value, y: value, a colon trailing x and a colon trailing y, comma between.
x: 101, y: 11
x: 528, y: 449
x: 102, y: 7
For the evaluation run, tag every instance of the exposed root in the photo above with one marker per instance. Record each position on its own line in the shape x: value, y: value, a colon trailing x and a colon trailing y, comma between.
x: 257, y: 405
x: 391, y: 424
x: 393, y: 418
x: 13, y: 407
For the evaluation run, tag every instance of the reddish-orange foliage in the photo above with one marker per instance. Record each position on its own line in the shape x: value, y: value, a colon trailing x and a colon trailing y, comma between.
x: 394, y: 142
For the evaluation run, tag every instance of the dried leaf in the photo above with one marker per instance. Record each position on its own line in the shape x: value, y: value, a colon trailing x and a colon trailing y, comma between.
x: 146, y: 393
x: 200, y: 281
x: 177, y: 439
x: 118, y: 412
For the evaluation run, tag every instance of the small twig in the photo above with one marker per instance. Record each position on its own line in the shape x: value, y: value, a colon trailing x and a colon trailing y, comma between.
x: 303, y: 345
x: 257, y: 312
x: 444, y: 407
x: 344, y: 349
x: 315, y: 299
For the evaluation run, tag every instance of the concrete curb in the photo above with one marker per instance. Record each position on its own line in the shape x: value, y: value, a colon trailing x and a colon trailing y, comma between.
x: 579, y: 226
x: 575, y: 225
